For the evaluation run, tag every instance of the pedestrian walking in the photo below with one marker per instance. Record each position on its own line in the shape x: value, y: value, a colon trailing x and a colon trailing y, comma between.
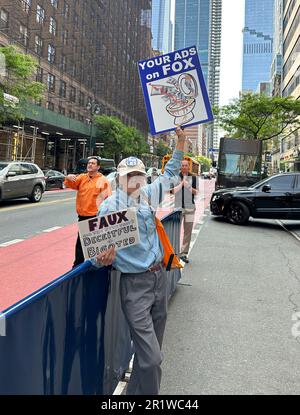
x: 92, y: 188
x: 185, y: 193
x: 143, y: 284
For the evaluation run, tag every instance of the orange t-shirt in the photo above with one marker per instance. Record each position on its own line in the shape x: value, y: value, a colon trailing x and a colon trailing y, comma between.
x: 90, y: 193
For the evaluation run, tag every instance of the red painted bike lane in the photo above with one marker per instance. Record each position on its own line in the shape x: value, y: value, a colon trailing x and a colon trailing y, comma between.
x: 31, y: 264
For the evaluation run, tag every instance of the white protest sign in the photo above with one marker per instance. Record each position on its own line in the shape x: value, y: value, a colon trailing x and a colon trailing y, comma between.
x: 118, y: 229
x: 174, y: 90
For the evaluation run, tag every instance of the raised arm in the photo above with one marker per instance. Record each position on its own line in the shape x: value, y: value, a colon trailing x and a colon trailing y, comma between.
x: 156, y: 191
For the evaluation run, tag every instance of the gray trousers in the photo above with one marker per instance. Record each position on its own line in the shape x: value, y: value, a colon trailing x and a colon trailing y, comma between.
x: 144, y: 303
x: 188, y: 216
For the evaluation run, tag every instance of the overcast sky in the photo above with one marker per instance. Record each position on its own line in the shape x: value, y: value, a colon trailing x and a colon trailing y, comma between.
x: 232, y: 44
x: 232, y: 47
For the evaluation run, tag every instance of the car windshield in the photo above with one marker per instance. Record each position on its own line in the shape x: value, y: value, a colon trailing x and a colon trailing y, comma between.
x: 3, y: 165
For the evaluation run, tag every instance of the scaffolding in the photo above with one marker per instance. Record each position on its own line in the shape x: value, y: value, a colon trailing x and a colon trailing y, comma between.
x: 17, y: 145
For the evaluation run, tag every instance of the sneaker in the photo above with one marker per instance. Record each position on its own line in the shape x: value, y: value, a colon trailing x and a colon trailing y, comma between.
x: 184, y: 258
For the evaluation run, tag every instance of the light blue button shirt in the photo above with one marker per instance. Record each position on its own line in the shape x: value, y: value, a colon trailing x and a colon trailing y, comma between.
x: 139, y: 258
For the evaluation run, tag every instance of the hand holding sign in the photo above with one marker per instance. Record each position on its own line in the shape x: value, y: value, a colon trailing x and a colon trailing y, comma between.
x: 181, y: 138
x: 107, y: 257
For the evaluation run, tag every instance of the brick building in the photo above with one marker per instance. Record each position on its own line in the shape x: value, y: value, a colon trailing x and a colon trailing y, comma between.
x: 87, y: 52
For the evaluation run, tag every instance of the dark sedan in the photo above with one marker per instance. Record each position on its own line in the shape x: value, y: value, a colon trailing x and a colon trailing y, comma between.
x: 277, y: 197
x: 54, y: 179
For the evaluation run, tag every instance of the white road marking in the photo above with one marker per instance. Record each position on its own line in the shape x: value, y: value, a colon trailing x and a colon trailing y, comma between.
x: 120, y: 388
x: 52, y: 229
x: 123, y: 383
x: 289, y: 231
x: 15, y: 241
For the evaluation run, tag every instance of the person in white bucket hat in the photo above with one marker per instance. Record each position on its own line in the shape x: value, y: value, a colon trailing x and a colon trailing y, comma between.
x: 143, y: 284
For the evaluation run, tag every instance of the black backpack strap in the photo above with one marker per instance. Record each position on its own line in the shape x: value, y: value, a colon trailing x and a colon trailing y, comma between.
x: 169, y: 264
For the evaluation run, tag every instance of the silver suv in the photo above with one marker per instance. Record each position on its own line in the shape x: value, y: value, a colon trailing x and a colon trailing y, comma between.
x: 21, y: 179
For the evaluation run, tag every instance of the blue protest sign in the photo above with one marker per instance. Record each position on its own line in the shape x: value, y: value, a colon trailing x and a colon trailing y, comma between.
x: 174, y: 90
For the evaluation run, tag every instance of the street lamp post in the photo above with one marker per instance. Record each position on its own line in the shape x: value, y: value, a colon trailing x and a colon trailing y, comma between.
x: 94, y: 109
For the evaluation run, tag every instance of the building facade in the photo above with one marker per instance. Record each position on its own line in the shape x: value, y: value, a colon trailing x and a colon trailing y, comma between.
x: 276, y: 68
x: 257, y: 43
x: 162, y: 28
x: 199, y: 22
x: 290, y: 147
x: 87, y: 55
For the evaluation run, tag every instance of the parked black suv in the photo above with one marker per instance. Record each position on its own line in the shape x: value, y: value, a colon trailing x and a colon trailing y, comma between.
x: 277, y: 197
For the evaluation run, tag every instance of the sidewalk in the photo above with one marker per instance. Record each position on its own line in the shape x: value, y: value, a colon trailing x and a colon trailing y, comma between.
x: 229, y: 328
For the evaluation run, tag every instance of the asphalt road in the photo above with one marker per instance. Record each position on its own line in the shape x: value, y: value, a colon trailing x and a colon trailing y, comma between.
x: 233, y: 326
x: 20, y: 219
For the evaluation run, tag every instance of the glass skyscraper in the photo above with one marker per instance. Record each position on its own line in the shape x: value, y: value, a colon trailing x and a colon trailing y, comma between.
x: 192, y: 23
x: 162, y: 26
x: 257, y: 43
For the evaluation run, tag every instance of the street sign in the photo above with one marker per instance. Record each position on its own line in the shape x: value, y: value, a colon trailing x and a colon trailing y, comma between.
x: 213, y: 150
x: 174, y: 90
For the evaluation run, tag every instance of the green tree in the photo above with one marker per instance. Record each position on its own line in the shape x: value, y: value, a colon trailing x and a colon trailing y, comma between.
x: 257, y: 117
x: 204, y: 162
x: 18, y: 81
x: 162, y: 149
x: 119, y: 140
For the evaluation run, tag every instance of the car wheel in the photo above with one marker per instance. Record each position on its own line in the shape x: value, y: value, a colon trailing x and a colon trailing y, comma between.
x: 36, y: 194
x: 238, y: 213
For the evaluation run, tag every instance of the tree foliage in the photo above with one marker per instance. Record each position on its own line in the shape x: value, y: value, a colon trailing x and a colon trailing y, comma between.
x: 257, y: 117
x: 162, y: 149
x: 205, y: 163
x: 18, y: 81
x: 119, y: 140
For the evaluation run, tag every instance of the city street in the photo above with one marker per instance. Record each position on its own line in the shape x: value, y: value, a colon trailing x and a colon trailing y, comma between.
x: 232, y: 327
x: 21, y: 219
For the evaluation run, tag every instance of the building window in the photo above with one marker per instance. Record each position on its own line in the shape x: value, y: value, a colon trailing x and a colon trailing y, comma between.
x: 61, y: 110
x: 51, y: 83
x: 81, y: 99
x: 24, y: 35
x: 40, y: 14
x: 62, y: 89
x: 26, y: 5
x: 38, y: 45
x: 52, y: 26
x: 4, y: 18
x: 72, y: 94
x: 64, y: 36
x: 50, y: 106
x: 75, y: 20
x: 72, y: 69
x: 63, y: 63
x: 65, y: 9
x: 39, y: 74
x: 51, y: 53
x: 54, y: 3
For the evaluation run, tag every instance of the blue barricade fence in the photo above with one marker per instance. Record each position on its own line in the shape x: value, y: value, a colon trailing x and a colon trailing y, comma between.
x: 70, y: 337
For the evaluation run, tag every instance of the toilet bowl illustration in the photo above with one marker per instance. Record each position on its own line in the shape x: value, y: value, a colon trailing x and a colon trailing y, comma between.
x: 181, y: 97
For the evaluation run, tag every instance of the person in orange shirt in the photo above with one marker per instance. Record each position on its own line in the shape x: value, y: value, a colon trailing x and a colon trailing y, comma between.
x: 92, y: 188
